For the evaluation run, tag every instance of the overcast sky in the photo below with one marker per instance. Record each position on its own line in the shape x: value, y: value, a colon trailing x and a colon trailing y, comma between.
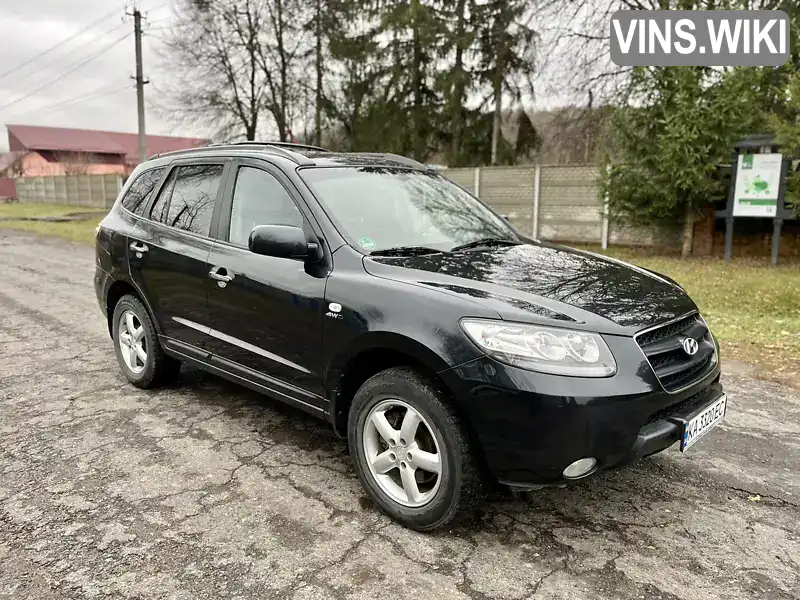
x: 57, y: 90
x: 29, y: 27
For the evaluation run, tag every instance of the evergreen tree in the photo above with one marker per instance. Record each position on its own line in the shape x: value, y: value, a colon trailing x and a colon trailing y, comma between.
x: 507, y: 43
x: 414, y: 32
x: 460, y: 35
x: 682, y: 122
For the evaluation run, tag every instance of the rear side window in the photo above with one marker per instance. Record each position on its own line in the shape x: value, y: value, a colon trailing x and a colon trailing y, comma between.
x: 158, y: 212
x: 138, y: 195
x: 187, y: 199
x: 259, y: 199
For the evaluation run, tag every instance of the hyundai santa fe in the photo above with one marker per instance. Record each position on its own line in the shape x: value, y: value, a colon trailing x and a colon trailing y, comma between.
x: 452, y: 351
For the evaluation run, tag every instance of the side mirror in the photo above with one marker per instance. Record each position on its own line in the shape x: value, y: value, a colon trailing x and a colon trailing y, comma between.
x: 505, y: 218
x: 282, y: 241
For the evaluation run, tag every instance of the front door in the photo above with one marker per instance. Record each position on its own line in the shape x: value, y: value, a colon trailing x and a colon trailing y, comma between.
x: 266, y: 312
x: 168, y: 254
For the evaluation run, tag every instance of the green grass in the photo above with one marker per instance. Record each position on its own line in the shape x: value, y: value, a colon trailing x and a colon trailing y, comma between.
x: 75, y: 231
x: 752, y: 307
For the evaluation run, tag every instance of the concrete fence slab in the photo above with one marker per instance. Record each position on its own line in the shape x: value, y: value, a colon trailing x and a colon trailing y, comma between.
x: 554, y: 202
x: 96, y: 191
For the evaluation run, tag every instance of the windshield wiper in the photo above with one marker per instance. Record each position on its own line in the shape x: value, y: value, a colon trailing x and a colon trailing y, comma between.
x: 406, y: 251
x: 486, y: 242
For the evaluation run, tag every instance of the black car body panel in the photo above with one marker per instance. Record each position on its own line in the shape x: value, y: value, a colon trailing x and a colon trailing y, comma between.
x: 380, y: 314
x: 540, y: 281
x: 545, y: 424
x: 286, y: 299
x: 293, y: 328
x: 172, y: 274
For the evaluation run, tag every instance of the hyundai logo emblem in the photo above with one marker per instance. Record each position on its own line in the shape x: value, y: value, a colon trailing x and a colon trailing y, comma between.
x: 690, y: 346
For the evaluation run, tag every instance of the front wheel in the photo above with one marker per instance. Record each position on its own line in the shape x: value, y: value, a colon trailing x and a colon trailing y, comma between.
x: 411, y: 451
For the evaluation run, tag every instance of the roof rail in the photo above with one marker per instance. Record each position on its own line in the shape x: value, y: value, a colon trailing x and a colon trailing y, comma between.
x: 275, y: 148
x: 398, y: 158
x: 287, y: 145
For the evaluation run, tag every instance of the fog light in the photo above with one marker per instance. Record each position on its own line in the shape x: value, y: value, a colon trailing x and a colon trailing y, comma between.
x: 580, y: 468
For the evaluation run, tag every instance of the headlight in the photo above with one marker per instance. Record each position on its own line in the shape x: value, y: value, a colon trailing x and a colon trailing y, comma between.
x: 543, y: 349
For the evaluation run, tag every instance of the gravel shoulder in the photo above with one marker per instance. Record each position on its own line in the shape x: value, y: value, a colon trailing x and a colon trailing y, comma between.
x: 207, y: 490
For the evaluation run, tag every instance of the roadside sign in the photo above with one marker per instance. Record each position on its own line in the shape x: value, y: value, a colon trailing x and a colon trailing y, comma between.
x: 758, y: 178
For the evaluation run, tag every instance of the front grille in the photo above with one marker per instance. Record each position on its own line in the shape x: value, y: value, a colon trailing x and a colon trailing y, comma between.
x: 669, y: 330
x: 692, y: 402
x: 663, y: 347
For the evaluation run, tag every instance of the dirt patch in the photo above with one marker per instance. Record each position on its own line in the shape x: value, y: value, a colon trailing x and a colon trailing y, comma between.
x: 87, y: 214
x: 76, y: 216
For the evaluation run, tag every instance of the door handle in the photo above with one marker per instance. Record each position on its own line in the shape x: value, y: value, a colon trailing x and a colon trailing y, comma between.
x: 215, y: 274
x: 141, y: 249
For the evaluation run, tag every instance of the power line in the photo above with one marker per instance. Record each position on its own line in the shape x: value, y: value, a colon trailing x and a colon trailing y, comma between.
x: 103, y: 90
x: 65, y: 73
x: 155, y: 8
x: 59, y: 44
x: 159, y: 20
x: 118, y: 88
x: 68, y: 53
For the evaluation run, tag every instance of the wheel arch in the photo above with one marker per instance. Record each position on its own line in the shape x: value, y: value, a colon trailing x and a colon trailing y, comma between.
x: 369, y: 355
x: 118, y: 289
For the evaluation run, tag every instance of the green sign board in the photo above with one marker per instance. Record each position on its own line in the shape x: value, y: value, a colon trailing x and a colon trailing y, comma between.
x: 758, y: 179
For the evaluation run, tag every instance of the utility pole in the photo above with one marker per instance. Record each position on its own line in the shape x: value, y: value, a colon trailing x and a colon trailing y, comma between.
x: 140, y: 82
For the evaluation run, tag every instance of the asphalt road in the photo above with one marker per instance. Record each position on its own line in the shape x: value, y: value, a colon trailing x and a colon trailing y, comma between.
x: 206, y: 490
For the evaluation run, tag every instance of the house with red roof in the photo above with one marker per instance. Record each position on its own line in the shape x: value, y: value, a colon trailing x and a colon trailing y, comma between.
x: 38, y: 150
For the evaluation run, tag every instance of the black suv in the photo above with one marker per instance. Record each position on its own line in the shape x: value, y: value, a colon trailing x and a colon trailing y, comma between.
x: 451, y: 350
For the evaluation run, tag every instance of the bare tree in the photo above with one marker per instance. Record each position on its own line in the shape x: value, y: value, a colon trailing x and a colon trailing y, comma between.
x: 213, y: 49
x: 237, y: 64
x: 14, y: 165
x: 278, y: 56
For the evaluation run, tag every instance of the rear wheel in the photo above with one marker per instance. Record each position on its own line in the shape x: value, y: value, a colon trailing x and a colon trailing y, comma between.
x: 412, y: 452
x: 136, y: 343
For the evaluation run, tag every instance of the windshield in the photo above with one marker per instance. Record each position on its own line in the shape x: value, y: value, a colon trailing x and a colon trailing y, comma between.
x: 378, y: 208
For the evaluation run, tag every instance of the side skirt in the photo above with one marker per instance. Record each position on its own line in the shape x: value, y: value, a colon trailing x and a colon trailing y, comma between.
x: 195, y: 360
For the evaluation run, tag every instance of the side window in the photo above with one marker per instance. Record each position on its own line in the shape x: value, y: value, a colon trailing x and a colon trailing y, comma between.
x: 138, y: 195
x: 187, y: 199
x: 158, y: 212
x: 259, y: 199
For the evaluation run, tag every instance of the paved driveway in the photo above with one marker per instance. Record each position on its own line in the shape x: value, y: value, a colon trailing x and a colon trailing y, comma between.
x: 206, y: 490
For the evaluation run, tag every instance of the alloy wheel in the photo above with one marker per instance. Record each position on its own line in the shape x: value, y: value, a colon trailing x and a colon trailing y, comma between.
x: 132, y: 342
x: 402, y: 453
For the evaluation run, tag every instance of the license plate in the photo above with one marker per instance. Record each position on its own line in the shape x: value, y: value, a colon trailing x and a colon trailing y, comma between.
x: 703, y: 422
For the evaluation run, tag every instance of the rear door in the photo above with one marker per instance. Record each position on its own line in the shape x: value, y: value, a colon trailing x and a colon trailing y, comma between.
x: 267, y: 318
x: 168, y: 252
x: 122, y: 220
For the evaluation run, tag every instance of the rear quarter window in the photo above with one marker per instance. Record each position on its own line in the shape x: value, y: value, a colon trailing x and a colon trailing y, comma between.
x: 140, y: 191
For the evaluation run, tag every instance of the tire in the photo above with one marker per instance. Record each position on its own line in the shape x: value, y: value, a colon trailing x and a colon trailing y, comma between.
x: 156, y: 368
x: 453, y: 495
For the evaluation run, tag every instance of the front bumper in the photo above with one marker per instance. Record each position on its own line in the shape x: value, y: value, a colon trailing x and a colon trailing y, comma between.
x: 531, y: 426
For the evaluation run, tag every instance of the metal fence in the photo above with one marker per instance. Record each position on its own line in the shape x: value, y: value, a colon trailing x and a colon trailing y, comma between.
x: 555, y: 202
x: 96, y: 191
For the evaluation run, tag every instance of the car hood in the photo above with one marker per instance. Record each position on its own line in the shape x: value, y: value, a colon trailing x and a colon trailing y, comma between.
x: 538, y: 281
